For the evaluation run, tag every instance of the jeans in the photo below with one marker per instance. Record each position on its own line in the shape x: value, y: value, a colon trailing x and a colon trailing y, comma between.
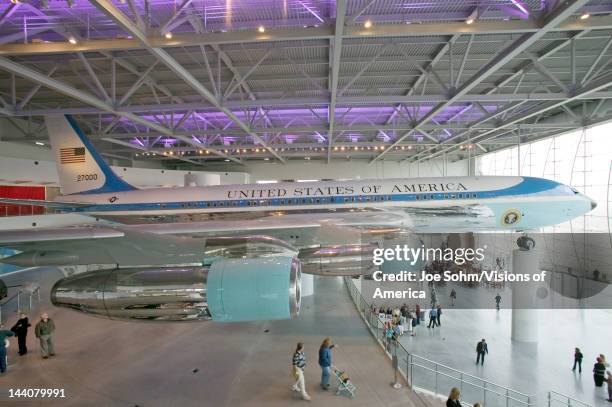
x: 46, y: 345
x: 480, y: 355
x: 579, y: 363
x: 2, y: 359
x: 325, y: 373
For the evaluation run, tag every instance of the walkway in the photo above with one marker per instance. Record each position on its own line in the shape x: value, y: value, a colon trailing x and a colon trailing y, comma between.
x: 528, y: 368
x: 108, y: 363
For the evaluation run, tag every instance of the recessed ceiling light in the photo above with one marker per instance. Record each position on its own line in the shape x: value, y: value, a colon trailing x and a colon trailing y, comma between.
x: 72, y: 40
x: 261, y: 29
x: 584, y: 16
x: 40, y: 143
x: 227, y: 160
x: 168, y: 35
x: 367, y: 24
x: 266, y: 159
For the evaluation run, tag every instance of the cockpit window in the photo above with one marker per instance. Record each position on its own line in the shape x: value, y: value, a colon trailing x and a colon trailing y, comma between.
x: 574, y: 190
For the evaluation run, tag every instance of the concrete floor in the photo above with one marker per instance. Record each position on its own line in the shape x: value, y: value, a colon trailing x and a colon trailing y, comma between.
x: 528, y: 368
x: 108, y: 363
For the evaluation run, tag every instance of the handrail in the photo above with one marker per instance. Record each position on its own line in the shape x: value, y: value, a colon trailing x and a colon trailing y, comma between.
x: 465, y: 374
x: 475, y: 384
x: 18, y: 296
x: 569, y: 399
x: 530, y: 398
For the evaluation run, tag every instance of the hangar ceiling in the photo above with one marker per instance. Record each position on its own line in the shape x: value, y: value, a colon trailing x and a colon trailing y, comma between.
x: 191, y: 82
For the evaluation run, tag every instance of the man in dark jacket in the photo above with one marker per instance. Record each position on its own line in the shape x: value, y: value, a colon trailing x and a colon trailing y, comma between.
x: 577, y: 360
x: 21, y: 330
x: 3, y: 335
x: 44, y: 331
x: 481, y: 349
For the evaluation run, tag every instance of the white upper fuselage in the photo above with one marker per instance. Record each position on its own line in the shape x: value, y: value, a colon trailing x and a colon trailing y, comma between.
x: 507, y: 202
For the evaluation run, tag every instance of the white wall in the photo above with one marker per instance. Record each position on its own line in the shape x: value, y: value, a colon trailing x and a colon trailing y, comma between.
x: 24, y: 164
x: 295, y: 170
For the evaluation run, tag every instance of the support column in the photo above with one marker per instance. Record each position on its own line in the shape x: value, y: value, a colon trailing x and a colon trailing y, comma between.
x: 524, y: 303
x: 307, y: 285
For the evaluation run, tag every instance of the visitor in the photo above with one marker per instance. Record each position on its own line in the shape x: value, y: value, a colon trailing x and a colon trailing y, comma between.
x: 453, y: 398
x: 21, y: 331
x: 599, y: 373
x: 497, y: 301
x: 325, y: 361
x: 453, y: 297
x: 481, y: 349
x: 4, y: 334
x: 418, y: 314
x: 603, y: 360
x: 44, y: 330
x: 299, y: 362
x: 439, y: 312
x: 433, y: 316
x: 577, y: 360
x: 609, y: 383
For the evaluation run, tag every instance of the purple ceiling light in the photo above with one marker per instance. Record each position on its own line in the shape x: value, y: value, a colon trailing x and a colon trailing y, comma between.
x: 521, y: 7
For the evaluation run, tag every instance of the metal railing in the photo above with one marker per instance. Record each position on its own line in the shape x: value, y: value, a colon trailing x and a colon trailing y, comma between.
x: 425, y: 374
x: 14, y: 303
x: 559, y: 399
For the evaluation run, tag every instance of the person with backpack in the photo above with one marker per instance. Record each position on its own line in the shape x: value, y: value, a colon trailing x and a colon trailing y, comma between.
x: 599, y: 373
x: 299, y: 362
x: 4, y: 334
x: 481, y: 349
x: 577, y: 360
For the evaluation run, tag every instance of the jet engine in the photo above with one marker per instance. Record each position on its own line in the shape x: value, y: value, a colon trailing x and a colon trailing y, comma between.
x: 228, y: 290
x: 338, y: 260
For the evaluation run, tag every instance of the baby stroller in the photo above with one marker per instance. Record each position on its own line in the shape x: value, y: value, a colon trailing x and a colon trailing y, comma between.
x: 344, y: 383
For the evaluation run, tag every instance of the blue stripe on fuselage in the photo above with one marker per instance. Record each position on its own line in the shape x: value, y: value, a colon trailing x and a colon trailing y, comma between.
x: 529, y: 186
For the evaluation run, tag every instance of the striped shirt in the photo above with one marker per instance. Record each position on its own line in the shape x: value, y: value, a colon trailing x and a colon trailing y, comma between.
x: 299, y: 360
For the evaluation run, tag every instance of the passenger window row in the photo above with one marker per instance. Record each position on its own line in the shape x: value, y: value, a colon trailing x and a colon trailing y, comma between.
x: 305, y: 201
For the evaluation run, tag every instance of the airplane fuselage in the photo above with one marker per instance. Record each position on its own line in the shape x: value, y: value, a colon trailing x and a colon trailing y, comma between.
x: 485, y: 202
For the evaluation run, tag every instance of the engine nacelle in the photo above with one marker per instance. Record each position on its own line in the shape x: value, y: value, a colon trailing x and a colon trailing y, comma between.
x: 338, y: 260
x: 227, y: 291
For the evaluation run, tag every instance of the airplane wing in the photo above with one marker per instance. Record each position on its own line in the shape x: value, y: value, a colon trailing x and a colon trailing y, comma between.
x: 175, y: 243
x: 45, y: 203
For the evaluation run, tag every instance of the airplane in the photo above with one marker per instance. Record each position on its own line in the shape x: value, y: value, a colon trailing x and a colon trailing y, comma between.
x: 236, y: 252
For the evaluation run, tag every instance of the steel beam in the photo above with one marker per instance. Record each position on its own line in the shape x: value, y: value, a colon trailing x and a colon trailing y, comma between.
x: 335, y: 55
x: 125, y: 23
x: 310, y: 33
x: 553, y: 19
x: 594, y: 87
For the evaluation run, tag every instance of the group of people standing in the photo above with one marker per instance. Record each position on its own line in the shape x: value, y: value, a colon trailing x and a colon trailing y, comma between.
x: 299, y: 363
x: 43, y: 330
x: 600, y: 373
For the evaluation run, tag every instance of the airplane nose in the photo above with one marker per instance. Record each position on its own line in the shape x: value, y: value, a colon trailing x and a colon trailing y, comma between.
x: 593, y: 204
